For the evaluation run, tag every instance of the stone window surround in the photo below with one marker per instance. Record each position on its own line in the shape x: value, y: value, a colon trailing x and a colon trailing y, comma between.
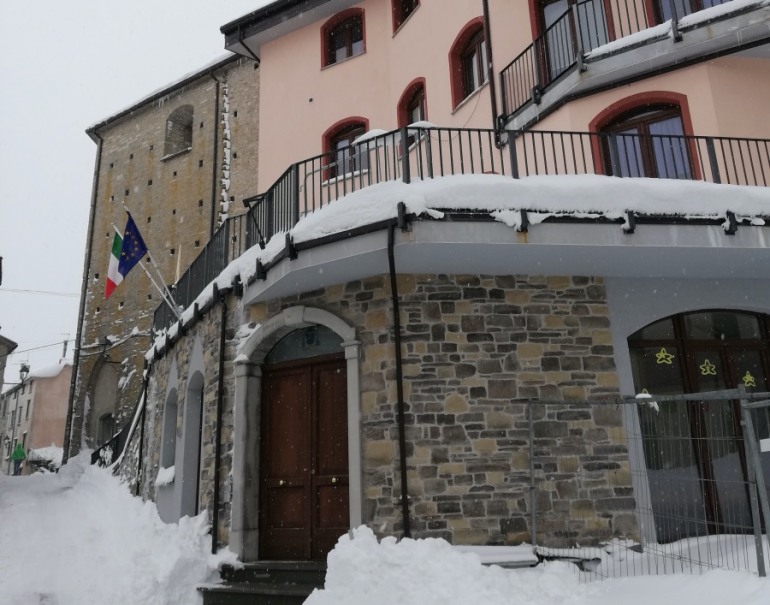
x: 244, y: 531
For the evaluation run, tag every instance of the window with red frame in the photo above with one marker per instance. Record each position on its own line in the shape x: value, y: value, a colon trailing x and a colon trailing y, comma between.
x: 402, y: 9
x: 344, y: 39
x: 473, y: 63
x: 344, y: 157
x: 412, y: 107
x: 683, y: 7
x: 648, y: 142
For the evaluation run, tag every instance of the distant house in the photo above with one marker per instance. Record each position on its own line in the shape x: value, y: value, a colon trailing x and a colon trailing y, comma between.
x: 35, y: 411
x: 7, y: 346
x: 434, y: 246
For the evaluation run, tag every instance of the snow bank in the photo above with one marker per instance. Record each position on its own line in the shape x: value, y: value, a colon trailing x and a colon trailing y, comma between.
x: 79, y: 537
x: 431, y: 572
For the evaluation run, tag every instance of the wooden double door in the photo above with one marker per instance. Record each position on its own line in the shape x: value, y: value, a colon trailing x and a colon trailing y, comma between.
x: 303, y: 505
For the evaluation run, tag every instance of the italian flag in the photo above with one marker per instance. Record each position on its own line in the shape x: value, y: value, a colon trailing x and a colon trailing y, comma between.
x: 113, y: 275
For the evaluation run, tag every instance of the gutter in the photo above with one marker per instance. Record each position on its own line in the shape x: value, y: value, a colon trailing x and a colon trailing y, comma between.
x: 218, y: 433
x: 399, y: 377
x: 83, y: 289
x: 496, y: 123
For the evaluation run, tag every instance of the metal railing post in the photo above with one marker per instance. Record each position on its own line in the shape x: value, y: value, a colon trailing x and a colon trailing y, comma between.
x: 712, y: 155
x: 677, y: 35
x: 513, y: 154
x: 295, y: 194
x: 405, y: 173
x: 578, y: 34
x: 755, y: 479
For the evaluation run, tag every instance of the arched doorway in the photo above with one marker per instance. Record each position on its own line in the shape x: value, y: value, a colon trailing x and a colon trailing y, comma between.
x: 692, y: 452
x: 304, y: 448
x: 251, y: 365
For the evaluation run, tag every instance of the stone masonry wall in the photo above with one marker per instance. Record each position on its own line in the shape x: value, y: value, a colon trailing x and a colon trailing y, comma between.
x: 475, y: 349
x: 173, y: 201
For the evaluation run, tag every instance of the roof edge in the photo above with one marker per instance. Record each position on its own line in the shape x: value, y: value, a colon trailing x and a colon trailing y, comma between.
x: 92, y: 131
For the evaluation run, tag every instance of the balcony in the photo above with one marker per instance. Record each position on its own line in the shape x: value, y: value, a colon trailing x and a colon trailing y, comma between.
x: 588, y: 47
x: 420, y: 153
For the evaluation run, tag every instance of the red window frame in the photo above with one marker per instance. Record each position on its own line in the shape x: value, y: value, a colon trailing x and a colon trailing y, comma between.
x: 470, y: 38
x: 345, y: 130
x: 402, y: 10
x: 627, y: 107
x: 342, y: 24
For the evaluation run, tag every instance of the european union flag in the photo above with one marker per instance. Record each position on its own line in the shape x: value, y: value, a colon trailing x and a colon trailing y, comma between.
x: 133, y: 248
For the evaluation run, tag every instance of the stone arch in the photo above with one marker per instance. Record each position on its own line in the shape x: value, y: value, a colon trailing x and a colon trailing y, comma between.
x: 103, y: 394
x: 244, y: 531
x: 166, y: 498
x: 179, y: 130
x: 189, y: 458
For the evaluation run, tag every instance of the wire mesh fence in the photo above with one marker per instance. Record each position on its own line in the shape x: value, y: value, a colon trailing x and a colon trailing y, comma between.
x: 661, y: 485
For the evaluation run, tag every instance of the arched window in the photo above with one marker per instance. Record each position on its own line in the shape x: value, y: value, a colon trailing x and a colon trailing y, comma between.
x: 344, y: 158
x: 168, y: 444
x: 412, y: 107
x: 646, y: 135
x: 179, y: 129
x: 692, y: 449
x: 468, y: 61
x: 402, y: 10
x: 342, y: 36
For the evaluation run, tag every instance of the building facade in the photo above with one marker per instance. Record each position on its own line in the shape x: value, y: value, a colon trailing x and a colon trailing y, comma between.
x: 175, y: 160
x: 34, y: 413
x: 378, y: 353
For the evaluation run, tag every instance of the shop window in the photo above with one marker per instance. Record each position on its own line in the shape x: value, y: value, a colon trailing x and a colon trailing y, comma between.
x: 468, y: 61
x: 343, y: 36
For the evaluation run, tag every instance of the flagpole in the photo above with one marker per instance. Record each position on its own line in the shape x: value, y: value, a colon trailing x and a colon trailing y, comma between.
x: 165, y: 287
x: 165, y: 295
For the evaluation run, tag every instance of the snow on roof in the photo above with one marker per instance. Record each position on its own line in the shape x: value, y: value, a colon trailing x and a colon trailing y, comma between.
x: 503, y: 198
x: 168, y: 88
x: 49, y: 371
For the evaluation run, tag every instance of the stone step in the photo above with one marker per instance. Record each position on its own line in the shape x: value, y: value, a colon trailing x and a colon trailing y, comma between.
x: 255, y: 594
x: 276, y: 572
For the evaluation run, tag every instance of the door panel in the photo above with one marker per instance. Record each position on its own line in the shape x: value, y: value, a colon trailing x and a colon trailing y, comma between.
x: 304, y: 460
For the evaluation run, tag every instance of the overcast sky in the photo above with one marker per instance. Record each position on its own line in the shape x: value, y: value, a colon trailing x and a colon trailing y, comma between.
x: 65, y: 65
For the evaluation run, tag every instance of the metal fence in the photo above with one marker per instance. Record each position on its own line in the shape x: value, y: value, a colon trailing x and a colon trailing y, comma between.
x: 692, y: 469
x: 583, y: 27
x: 418, y: 153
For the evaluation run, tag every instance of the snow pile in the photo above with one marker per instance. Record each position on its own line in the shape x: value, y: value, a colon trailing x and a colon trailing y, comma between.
x: 52, y: 453
x: 431, y: 572
x: 79, y: 537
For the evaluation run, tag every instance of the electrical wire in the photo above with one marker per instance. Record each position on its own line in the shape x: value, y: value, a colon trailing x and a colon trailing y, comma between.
x: 43, y: 292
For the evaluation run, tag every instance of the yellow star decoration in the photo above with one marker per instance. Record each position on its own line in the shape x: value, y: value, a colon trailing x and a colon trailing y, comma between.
x: 708, y: 369
x: 664, y: 356
x: 748, y: 380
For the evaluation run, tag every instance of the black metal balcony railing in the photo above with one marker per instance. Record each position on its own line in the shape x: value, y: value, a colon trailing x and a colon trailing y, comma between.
x: 425, y: 153
x: 585, y: 26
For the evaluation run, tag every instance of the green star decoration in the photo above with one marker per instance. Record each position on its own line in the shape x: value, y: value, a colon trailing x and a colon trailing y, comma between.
x: 664, y: 357
x: 748, y: 380
x: 708, y: 369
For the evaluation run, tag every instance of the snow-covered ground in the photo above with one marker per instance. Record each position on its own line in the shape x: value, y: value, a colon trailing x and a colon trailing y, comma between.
x: 80, y: 538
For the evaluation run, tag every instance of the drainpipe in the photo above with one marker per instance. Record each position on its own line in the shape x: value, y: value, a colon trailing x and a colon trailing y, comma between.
x: 83, y: 289
x: 491, y: 70
x: 218, y: 433
x: 139, y: 466
x: 399, y: 382
x: 214, y: 166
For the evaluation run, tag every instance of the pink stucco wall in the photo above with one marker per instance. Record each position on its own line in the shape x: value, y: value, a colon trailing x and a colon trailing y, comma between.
x: 309, y: 99
x: 713, y: 90
x: 301, y: 99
